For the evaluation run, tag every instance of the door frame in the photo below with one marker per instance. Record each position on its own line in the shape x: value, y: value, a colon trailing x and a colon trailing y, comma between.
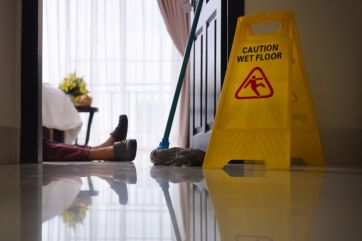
x: 31, y: 147
x: 226, y: 19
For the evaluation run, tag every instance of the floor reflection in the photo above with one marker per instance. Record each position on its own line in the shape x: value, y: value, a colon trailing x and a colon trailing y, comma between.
x: 254, y: 204
x: 20, y: 202
x: 68, y: 190
x: 164, y: 175
x: 127, y: 202
x: 176, y: 174
x: 103, y: 202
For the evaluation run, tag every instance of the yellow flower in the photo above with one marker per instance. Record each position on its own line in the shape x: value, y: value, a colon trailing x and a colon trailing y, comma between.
x: 83, y: 88
x: 74, y: 86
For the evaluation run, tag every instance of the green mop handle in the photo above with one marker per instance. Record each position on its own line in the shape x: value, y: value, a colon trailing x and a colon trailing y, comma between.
x: 164, y: 144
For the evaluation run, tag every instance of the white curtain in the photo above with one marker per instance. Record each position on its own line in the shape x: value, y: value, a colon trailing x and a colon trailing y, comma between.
x: 126, y: 56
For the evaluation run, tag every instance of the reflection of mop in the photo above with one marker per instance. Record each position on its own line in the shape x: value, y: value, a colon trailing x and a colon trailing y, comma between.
x: 165, y: 141
x: 165, y: 187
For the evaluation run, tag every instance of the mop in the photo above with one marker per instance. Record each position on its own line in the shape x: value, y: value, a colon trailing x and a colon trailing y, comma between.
x: 176, y: 155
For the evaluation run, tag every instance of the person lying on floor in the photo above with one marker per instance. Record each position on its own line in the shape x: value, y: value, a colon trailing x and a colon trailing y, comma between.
x: 115, y: 148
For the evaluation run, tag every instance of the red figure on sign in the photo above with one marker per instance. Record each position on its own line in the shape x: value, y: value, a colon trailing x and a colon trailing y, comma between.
x: 256, y: 85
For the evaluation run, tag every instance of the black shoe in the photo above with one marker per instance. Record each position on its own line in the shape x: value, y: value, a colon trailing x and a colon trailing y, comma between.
x: 120, y: 133
x: 125, y: 150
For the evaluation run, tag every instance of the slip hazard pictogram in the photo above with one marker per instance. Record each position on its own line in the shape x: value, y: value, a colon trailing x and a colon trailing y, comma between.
x: 256, y: 85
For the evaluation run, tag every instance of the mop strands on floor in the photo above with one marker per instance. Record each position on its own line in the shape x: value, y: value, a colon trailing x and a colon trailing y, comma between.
x: 179, y: 156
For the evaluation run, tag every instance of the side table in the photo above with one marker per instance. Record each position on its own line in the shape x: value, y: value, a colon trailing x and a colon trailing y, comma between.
x: 91, y: 110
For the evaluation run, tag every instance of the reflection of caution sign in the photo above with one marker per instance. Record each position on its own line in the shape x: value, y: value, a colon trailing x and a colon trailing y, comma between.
x: 265, y: 111
x: 256, y: 85
x: 252, y: 204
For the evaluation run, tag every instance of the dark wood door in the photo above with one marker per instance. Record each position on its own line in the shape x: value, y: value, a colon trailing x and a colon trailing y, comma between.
x: 211, y: 48
x: 31, y: 144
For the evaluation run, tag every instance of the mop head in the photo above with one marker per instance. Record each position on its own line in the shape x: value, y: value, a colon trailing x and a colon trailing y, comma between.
x: 177, y: 156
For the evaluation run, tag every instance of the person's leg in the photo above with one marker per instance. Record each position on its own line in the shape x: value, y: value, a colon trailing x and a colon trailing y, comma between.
x: 103, y: 153
x: 114, y: 148
x: 119, y: 133
x: 109, y: 142
x: 58, y: 152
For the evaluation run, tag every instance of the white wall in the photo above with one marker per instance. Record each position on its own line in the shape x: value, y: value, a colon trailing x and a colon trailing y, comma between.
x: 10, y: 15
x: 331, y: 38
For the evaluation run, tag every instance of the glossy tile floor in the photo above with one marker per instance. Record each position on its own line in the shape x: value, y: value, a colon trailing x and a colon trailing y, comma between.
x: 139, y: 201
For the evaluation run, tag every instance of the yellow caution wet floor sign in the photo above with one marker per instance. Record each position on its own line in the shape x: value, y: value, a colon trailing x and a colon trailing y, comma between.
x: 265, y: 110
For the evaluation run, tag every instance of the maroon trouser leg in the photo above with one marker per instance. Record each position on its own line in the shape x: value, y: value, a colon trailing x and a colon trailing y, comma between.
x: 58, y: 152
